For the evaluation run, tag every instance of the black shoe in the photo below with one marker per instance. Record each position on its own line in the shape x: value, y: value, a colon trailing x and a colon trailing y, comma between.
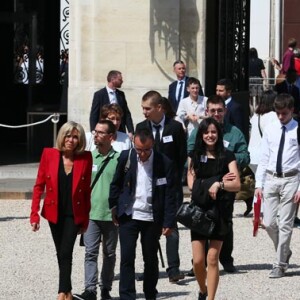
x: 86, y: 295
x: 176, y: 277
x: 105, y: 294
x: 249, y: 202
x: 229, y: 268
x: 202, y: 296
x: 190, y: 273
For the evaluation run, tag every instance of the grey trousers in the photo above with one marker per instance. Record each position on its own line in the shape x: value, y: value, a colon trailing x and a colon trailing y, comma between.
x: 106, y: 232
x: 278, y: 196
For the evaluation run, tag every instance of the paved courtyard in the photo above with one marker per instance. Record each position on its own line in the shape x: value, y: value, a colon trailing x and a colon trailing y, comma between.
x: 29, y: 269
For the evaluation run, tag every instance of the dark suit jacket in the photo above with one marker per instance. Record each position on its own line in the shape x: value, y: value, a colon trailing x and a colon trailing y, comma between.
x: 101, y: 98
x: 123, y: 186
x: 234, y: 115
x: 176, y: 150
x: 47, y: 177
x: 282, y: 87
x: 172, y: 93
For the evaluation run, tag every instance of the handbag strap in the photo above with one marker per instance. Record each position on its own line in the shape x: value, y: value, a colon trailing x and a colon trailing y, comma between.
x: 259, y: 128
x: 127, y: 165
x: 106, y: 161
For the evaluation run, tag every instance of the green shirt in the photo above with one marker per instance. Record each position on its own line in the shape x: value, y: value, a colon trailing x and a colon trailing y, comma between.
x: 234, y: 141
x: 99, y: 199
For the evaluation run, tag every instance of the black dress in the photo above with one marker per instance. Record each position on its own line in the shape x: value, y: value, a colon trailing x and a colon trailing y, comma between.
x: 207, y: 168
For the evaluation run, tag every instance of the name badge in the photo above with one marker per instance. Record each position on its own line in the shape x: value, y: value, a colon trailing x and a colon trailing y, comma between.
x: 168, y: 139
x: 293, y: 142
x: 161, y: 181
x: 203, y: 158
x: 94, y: 169
x: 225, y: 143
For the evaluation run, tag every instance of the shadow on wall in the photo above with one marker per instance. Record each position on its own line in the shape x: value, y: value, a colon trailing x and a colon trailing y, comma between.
x: 174, y: 26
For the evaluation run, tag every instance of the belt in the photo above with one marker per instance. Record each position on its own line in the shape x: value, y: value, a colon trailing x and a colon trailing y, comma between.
x: 283, y: 175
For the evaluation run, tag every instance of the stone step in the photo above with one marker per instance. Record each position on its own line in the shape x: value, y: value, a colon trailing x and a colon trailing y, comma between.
x: 19, y: 171
x: 17, y: 181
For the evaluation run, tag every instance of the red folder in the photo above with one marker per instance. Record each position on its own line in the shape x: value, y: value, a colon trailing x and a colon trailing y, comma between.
x: 257, y: 206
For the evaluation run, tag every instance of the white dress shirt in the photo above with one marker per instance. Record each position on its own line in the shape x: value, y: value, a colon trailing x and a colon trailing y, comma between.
x: 162, y: 124
x: 186, y: 107
x: 255, y: 138
x: 142, y: 206
x: 112, y: 95
x: 269, y: 150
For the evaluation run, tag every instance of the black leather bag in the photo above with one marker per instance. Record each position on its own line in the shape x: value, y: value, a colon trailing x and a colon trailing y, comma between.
x: 197, y: 219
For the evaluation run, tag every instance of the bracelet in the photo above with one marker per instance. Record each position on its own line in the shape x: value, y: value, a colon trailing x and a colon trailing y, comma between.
x: 221, y: 185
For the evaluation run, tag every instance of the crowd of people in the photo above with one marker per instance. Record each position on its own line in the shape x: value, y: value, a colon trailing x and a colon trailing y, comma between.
x: 118, y: 183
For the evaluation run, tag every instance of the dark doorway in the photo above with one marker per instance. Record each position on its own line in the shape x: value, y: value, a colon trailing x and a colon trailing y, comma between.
x: 31, y: 82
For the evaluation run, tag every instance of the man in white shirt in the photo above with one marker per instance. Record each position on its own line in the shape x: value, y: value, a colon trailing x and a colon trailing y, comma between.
x: 277, y: 180
x: 142, y: 200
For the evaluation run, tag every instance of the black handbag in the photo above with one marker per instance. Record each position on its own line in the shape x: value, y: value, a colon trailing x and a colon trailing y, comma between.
x: 197, y: 219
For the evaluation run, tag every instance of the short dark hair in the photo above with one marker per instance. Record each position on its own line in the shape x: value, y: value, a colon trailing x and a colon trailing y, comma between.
x: 227, y: 83
x: 284, y: 101
x: 154, y: 96
x: 193, y: 80
x: 176, y: 62
x: 292, y: 42
x: 112, y: 74
x: 215, y: 99
x: 144, y: 134
x: 110, y: 125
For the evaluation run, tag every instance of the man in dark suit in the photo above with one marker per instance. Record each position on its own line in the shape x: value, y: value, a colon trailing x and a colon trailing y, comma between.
x: 170, y: 139
x: 142, y: 201
x: 112, y: 94
x: 234, y: 111
x: 177, y: 89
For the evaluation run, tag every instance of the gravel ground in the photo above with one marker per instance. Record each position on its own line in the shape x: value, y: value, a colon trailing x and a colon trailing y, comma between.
x: 29, y: 268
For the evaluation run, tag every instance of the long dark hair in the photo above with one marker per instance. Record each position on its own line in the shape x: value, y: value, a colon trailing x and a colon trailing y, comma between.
x: 200, y: 145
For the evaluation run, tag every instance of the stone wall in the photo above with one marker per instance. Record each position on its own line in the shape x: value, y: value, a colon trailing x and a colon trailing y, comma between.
x: 141, y: 39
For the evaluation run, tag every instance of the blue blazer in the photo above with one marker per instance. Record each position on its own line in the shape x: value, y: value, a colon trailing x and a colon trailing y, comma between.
x: 123, y: 186
x: 172, y: 93
x: 101, y: 98
x: 234, y: 115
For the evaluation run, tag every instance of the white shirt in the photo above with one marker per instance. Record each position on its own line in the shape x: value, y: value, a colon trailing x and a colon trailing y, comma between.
x: 142, y: 206
x: 161, y: 123
x: 255, y: 138
x: 112, y: 95
x: 187, y: 106
x: 227, y: 101
x: 269, y: 150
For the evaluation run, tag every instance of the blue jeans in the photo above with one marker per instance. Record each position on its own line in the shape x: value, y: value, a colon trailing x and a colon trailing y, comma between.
x: 108, y: 233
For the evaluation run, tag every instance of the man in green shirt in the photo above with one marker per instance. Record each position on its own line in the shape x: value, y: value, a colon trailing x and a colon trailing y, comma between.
x: 101, y: 227
x: 234, y: 141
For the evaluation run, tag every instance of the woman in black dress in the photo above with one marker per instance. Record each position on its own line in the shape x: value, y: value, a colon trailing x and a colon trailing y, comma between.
x: 212, y: 163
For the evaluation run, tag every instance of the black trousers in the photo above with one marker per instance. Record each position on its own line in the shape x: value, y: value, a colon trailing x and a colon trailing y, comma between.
x: 64, y: 235
x: 129, y: 231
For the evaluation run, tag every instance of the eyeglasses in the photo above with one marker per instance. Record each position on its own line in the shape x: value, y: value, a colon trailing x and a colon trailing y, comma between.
x: 140, y: 151
x: 219, y: 111
x: 98, y: 132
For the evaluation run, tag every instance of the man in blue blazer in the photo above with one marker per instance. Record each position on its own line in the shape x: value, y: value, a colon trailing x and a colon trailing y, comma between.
x: 142, y: 201
x: 234, y: 111
x: 112, y: 94
x: 170, y: 139
x: 176, y: 92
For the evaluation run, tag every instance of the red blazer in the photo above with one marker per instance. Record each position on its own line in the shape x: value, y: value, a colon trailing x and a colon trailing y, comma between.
x: 48, y: 176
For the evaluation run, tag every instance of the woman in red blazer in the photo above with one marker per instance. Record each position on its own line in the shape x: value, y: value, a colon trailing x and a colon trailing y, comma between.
x: 65, y: 172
